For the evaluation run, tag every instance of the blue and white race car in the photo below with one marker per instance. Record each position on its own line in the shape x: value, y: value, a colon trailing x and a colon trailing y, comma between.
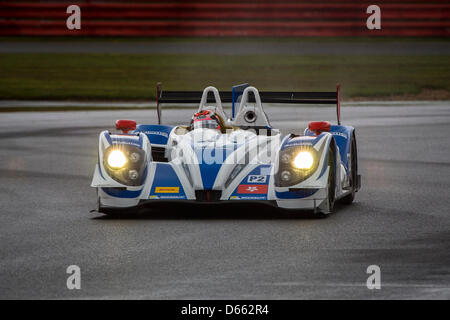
x: 217, y: 159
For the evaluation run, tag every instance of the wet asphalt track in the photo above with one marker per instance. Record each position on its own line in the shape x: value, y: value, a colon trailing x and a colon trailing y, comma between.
x: 400, y: 220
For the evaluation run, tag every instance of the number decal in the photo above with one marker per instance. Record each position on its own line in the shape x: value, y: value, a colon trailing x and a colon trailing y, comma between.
x: 257, y: 179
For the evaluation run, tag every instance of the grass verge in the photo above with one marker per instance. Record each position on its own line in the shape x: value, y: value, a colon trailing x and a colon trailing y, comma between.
x: 133, y: 77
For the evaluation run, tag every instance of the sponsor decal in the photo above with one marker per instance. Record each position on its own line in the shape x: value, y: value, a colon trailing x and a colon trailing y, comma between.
x: 245, y: 197
x: 153, y: 197
x: 253, y: 198
x: 339, y: 134
x: 254, y: 178
x: 130, y: 141
x: 167, y: 189
x: 298, y: 143
x: 171, y: 197
x: 252, y: 188
x: 158, y: 133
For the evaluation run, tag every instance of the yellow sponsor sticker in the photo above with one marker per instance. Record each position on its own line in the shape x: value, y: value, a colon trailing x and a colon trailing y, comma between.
x: 167, y: 189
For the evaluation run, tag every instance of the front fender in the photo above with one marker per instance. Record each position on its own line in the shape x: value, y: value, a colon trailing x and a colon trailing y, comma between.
x: 321, y: 145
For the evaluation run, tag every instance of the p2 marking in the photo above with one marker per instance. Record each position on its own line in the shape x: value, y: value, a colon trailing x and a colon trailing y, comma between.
x: 256, y: 179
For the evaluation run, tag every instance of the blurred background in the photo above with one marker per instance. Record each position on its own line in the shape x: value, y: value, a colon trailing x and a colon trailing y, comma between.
x: 124, y: 47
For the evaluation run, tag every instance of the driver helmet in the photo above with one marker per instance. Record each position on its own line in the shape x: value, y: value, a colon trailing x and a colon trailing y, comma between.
x: 205, y: 119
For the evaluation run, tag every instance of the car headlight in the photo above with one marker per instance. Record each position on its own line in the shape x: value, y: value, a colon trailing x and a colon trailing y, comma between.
x: 116, y: 159
x: 304, y: 160
x: 297, y: 163
x: 125, y: 164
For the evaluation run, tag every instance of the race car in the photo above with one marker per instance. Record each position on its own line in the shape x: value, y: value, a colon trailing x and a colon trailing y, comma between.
x: 215, y: 159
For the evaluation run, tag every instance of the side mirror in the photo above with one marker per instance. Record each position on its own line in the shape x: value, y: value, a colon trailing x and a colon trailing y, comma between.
x: 125, y: 125
x: 319, y: 126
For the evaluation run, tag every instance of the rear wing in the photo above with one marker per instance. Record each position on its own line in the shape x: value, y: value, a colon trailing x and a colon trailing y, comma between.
x: 234, y: 95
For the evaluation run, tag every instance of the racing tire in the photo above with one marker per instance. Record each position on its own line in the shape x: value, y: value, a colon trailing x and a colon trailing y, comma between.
x: 348, y: 199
